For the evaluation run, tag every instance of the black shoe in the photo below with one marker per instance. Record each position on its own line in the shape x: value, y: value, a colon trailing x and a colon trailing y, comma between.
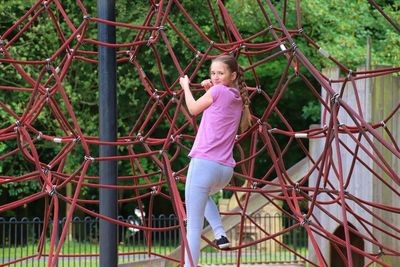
x: 222, y: 242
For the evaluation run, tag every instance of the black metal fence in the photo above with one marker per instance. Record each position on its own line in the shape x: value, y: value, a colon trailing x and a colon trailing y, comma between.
x: 19, y: 239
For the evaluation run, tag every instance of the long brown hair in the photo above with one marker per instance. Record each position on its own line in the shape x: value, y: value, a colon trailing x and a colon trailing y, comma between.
x: 233, y: 66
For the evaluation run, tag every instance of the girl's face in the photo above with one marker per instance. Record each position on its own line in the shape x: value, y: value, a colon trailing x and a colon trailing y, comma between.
x: 220, y: 74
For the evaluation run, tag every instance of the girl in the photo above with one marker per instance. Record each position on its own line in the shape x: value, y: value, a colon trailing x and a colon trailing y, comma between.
x: 212, y: 163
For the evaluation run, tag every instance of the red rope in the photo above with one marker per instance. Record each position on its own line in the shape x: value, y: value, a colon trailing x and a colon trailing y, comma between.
x: 155, y: 157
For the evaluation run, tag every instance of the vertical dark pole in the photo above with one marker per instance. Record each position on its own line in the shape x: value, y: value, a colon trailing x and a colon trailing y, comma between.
x: 108, y: 132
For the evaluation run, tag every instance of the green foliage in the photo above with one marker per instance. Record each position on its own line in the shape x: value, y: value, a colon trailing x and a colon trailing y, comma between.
x: 340, y: 27
x: 311, y: 111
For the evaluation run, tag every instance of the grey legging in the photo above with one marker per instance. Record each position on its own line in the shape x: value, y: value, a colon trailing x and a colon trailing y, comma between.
x: 205, y: 177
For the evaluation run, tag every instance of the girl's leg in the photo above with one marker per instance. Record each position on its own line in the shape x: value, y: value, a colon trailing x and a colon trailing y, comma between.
x: 197, y: 190
x: 211, y: 213
x: 214, y: 219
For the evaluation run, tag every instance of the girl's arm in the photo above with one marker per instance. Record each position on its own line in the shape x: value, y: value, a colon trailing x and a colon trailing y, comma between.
x: 195, y: 107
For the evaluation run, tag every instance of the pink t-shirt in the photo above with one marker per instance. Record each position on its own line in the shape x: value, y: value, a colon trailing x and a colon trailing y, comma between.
x: 218, y: 127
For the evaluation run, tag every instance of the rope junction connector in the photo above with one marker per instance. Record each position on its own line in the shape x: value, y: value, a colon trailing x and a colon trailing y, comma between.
x: 131, y: 56
x: 350, y: 73
x: 301, y: 135
x: 47, y: 93
x: 383, y: 123
x: 1, y: 47
x: 156, y: 95
x: 301, y: 30
x: 294, y: 47
x: 254, y: 185
x: 258, y: 89
x: 53, y: 191
x: 48, y: 65
x: 18, y: 125
x: 77, y: 140
x: 87, y: 17
x: 297, y: 187
x: 305, y: 221
x: 89, y: 158
x: 154, y: 190
x: 57, y: 140
x: 260, y: 122
x: 45, y: 5
x: 40, y: 134
x: 141, y: 138
x: 364, y: 127
x: 198, y: 53
x: 173, y: 99
x: 45, y: 170
x: 335, y: 98
x: 176, y: 177
x: 175, y: 138
x: 161, y: 28
x: 150, y: 41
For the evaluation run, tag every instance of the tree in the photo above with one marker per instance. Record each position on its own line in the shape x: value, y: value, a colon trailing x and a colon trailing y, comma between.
x: 340, y: 27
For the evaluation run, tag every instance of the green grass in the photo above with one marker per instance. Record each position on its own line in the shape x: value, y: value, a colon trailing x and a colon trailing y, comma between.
x: 250, y: 255
x: 73, y: 247
x: 208, y: 255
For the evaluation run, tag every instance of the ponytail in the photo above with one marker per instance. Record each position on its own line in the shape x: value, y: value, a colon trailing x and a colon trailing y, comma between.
x: 245, y: 121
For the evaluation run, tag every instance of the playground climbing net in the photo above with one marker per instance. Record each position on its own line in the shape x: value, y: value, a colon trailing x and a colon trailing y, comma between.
x: 40, y: 117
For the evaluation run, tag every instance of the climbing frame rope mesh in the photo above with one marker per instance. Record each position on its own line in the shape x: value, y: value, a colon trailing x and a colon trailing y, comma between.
x: 41, y: 117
